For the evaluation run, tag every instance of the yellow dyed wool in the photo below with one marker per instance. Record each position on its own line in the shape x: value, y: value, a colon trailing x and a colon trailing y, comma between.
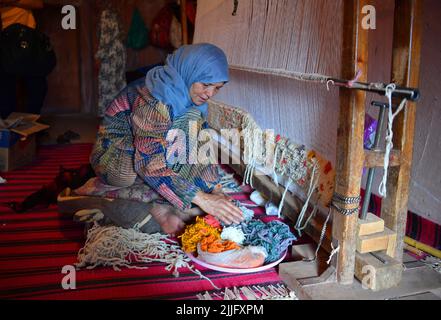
x: 195, y: 233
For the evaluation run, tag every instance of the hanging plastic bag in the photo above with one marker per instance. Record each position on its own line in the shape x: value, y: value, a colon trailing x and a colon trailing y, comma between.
x: 175, y: 33
x: 243, y: 258
x: 370, y: 128
x: 138, y: 35
x: 160, y: 29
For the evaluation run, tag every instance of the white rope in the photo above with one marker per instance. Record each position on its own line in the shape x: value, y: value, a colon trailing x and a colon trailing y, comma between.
x: 333, y: 253
x: 389, y: 137
x: 322, y: 237
x: 312, y: 187
x: 282, y: 201
x: 298, y: 228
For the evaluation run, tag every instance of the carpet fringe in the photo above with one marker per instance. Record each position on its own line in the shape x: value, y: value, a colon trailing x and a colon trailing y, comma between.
x: 116, y: 247
x: 269, y: 292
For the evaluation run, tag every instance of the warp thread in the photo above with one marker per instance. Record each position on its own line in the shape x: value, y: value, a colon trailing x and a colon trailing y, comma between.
x: 314, y: 180
x: 253, y: 147
x: 333, y: 253
x: 282, y: 201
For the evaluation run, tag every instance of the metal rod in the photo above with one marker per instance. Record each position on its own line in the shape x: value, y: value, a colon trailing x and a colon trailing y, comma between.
x: 383, y: 261
x: 371, y: 171
x: 410, y: 94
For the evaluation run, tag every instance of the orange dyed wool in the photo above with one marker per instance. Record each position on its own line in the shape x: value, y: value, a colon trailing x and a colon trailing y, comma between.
x: 195, y: 233
x: 213, y: 244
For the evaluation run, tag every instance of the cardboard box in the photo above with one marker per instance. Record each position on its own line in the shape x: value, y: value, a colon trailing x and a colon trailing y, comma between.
x: 18, y: 145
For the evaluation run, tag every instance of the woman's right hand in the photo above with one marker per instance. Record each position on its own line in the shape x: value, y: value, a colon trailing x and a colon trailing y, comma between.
x: 219, y: 206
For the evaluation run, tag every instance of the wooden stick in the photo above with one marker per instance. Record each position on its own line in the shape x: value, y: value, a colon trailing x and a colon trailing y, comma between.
x: 416, y: 246
x: 350, y: 154
x: 405, y: 71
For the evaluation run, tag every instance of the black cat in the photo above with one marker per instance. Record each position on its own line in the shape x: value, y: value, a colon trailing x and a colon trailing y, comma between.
x: 47, y: 195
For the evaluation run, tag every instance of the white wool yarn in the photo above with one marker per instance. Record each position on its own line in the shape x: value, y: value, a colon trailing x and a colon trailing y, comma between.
x: 258, y: 198
x: 271, y: 209
x: 233, y: 234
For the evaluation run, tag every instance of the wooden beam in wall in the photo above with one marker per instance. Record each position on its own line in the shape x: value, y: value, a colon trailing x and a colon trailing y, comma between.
x: 184, y: 22
x: 350, y: 153
x: 406, y: 56
x: 87, y: 28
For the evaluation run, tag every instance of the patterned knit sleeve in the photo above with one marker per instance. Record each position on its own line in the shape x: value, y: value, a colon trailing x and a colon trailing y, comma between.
x: 150, y: 126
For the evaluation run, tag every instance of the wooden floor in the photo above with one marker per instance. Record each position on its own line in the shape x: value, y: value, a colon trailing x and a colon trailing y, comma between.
x: 313, y: 281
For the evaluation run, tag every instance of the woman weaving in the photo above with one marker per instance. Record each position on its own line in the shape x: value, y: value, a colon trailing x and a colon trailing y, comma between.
x: 132, y: 140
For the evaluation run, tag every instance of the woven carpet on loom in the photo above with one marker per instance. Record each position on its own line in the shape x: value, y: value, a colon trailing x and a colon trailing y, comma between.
x: 34, y: 247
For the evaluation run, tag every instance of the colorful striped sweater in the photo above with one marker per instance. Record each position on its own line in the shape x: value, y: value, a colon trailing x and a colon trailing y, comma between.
x: 132, y: 142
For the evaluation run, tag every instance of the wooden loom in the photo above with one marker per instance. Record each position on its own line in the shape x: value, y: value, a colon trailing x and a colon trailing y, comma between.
x: 356, y: 238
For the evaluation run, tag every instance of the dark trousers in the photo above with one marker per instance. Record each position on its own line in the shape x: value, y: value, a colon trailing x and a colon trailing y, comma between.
x: 35, y: 91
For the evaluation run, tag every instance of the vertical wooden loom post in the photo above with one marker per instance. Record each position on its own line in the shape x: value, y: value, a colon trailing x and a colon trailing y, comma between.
x: 350, y: 154
x: 405, y: 72
x: 184, y: 22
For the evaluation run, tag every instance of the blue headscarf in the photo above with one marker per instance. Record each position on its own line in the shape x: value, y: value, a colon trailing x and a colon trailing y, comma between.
x: 171, y: 83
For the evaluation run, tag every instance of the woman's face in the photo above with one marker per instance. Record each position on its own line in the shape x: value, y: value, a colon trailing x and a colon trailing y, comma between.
x: 201, y: 92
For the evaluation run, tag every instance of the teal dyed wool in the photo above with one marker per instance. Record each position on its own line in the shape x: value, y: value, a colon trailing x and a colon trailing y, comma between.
x: 275, y: 237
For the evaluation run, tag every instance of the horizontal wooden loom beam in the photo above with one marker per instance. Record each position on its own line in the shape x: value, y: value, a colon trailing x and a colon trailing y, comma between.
x: 375, y: 159
x: 411, y: 94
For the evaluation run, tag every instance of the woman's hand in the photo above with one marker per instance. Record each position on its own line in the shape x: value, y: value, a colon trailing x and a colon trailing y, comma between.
x: 219, y: 206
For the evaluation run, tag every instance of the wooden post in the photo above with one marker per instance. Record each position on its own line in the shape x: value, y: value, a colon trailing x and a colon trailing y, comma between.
x: 350, y: 154
x: 184, y: 22
x: 88, y: 92
x: 405, y: 72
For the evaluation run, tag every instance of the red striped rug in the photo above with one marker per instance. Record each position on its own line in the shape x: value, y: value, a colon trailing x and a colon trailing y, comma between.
x: 36, y: 245
x: 417, y: 227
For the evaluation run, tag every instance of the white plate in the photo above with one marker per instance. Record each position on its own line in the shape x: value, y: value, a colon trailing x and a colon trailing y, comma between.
x: 235, y: 270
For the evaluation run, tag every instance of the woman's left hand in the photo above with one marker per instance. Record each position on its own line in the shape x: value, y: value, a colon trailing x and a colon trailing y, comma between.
x: 219, y: 206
